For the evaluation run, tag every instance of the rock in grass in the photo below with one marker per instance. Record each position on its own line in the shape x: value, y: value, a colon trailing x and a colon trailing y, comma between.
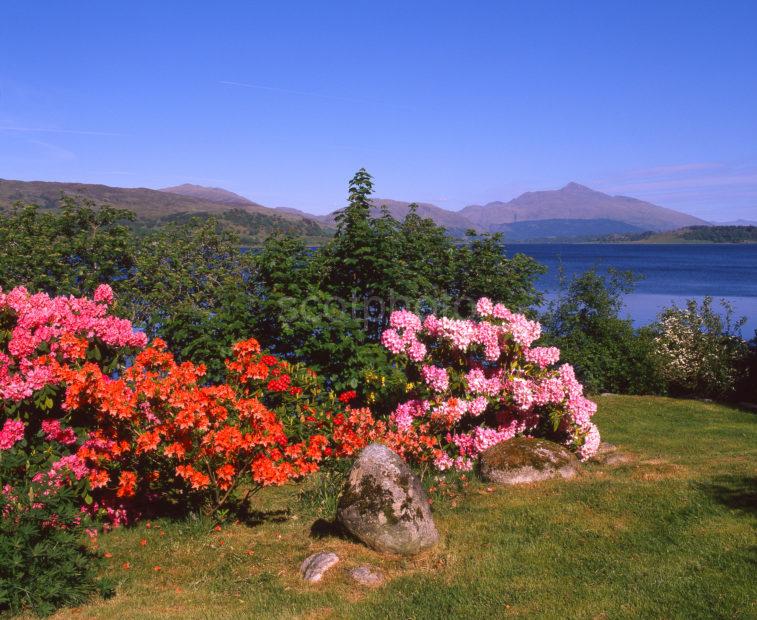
x: 366, y: 576
x: 608, y: 454
x: 383, y: 504
x: 313, y: 568
x: 523, y: 459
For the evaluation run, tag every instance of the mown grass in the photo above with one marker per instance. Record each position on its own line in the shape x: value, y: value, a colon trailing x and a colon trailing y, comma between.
x: 669, y: 535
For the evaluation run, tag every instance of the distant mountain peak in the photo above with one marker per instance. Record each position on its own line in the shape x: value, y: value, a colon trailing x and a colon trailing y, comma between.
x: 576, y: 187
x: 577, y: 202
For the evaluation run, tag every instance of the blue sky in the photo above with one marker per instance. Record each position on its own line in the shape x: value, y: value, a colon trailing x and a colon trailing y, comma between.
x: 446, y: 102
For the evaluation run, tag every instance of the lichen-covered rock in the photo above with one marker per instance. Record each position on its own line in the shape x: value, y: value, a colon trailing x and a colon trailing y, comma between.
x: 366, y: 576
x: 523, y: 459
x: 383, y: 504
x: 313, y: 567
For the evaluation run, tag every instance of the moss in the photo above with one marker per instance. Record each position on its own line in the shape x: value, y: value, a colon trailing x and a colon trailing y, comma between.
x: 524, y: 452
x: 369, y: 498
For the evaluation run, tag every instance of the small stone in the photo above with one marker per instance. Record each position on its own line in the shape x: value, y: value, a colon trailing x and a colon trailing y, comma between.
x: 313, y: 568
x: 525, y: 459
x: 365, y: 576
x: 384, y: 506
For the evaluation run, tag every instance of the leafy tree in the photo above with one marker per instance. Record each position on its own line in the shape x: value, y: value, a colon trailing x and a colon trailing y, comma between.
x: 192, y: 286
x: 296, y: 319
x: 69, y: 251
x: 483, y: 270
x: 606, y: 351
x: 360, y: 265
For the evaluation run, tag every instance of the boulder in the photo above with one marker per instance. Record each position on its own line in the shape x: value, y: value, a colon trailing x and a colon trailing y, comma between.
x: 523, y: 459
x: 366, y: 576
x: 383, y: 504
x: 313, y: 567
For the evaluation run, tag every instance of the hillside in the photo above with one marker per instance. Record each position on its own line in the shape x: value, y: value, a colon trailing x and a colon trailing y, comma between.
x: 253, y: 222
x: 573, y: 212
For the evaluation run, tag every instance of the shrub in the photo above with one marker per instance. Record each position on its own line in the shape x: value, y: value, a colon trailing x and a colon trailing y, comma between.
x: 153, y: 429
x: 702, y: 351
x: 472, y: 384
x: 608, y: 354
x: 44, y: 562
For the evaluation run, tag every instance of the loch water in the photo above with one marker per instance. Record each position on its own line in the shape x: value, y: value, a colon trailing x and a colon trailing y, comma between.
x: 670, y: 273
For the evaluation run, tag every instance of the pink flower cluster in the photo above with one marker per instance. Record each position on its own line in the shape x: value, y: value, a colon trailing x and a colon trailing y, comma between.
x: 436, y: 378
x: 11, y: 433
x: 406, y: 412
x: 55, y: 432
x: 542, y: 356
x: 61, y: 325
x: 401, y: 335
x: 499, y: 374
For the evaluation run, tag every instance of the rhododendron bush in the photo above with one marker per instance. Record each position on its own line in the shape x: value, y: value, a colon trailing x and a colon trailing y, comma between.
x: 129, y: 426
x: 475, y: 383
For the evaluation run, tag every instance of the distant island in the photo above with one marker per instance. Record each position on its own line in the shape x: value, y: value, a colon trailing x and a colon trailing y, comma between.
x: 689, y: 234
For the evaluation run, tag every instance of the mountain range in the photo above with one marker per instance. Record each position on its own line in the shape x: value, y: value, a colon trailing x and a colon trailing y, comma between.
x: 570, y: 212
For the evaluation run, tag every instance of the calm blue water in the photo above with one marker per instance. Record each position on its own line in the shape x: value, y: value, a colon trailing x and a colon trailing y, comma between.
x: 672, y: 273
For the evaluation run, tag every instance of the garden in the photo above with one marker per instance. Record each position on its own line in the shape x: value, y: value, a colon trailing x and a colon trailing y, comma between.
x: 184, y: 423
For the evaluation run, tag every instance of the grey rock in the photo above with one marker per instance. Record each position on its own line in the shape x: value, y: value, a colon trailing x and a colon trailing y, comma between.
x: 383, y: 504
x: 522, y: 460
x: 313, y: 567
x: 365, y: 576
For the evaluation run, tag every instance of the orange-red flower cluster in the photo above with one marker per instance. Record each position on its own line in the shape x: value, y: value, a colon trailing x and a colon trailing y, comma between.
x: 158, y: 420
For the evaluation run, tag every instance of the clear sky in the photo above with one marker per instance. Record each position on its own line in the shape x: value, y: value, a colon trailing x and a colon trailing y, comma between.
x: 446, y: 102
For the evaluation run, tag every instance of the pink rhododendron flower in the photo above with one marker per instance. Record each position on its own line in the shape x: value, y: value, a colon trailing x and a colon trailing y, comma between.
x: 436, y: 378
x: 405, y: 320
x: 590, y: 443
x: 416, y: 351
x: 406, y: 412
x: 479, y: 383
x: 524, y: 331
x: 61, y: 324
x: 392, y: 341
x: 477, y: 406
x: 11, y: 433
x: 500, y: 312
x: 55, y: 432
x: 484, y: 307
x: 542, y: 356
x: 104, y: 294
x: 521, y: 393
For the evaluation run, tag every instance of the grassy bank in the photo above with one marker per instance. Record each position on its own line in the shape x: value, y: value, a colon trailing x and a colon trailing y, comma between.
x: 670, y: 534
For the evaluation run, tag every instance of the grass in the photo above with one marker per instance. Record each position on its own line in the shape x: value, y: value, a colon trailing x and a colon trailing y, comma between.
x: 670, y: 534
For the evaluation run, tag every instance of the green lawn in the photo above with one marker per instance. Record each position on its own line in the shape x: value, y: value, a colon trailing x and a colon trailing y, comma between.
x: 670, y: 535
